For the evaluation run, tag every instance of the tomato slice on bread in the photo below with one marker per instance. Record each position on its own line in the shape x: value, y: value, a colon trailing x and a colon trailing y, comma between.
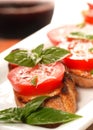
x: 12, y: 66
x: 59, y: 34
x: 90, y: 5
x: 79, y: 64
x: 88, y: 16
x: 38, y: 80
x: 81, y: 56
x: 80, y: 44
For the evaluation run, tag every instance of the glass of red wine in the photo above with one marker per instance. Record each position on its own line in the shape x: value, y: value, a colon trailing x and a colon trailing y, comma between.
x: 20, y: 18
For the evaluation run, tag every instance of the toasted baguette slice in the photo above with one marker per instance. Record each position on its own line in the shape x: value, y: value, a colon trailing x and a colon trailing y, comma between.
x: 82, y: 78
x: 64, y: 98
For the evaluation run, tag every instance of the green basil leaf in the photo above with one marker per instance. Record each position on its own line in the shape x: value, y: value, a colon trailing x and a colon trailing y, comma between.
x: 91, y: 72
x: 89, y: 37
x: 90, y: 50
x: 37, y: 55
x: 32, y: 106
x: 34, y: 81
x: 19, y: 114
x: 78, y: 34
x: 25, y: 57
x: 38, y: 50
x: 81, y: 25
x: 11, y: 115
x: 21, y: 57
x: 34, y: 114
x: 45, y: 116
x: 81, y: 35
x: 53, y: 54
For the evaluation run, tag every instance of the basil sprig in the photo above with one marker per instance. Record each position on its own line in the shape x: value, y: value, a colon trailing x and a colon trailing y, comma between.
x: 34, y: 81
x: 38, y: 55
x: 81, y: 35
x: 34, y: 113
x: 81, y: 25
x: 91, y: 72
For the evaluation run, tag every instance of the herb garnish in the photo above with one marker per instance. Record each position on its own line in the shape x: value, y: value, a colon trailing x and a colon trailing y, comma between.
x: 91, y: 72
x: 34, y: 80
x: 38, y: 55
x: 90, y: 50
x: 81, y: 25
x: 34, y: 113
x: 81, y: 35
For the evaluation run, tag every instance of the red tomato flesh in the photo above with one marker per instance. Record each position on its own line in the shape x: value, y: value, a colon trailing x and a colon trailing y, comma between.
x: 49, y: 77
x: 90, y: 5
x: 59, y: 34
x: 79, y: 64
x: 88, y: 16
x: 60, y: 37
x: 12, y: 66
x: 81, y: 55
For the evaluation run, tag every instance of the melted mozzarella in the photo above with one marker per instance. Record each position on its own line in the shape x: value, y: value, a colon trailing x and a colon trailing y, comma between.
x: 79, y: 49
x: 44, y: 73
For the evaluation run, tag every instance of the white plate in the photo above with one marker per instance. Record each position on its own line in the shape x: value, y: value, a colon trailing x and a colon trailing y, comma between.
x: 85, y: 104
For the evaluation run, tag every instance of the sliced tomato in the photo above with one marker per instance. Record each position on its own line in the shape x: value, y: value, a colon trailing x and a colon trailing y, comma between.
x: 48, y: 78
x: 55, y: 36
x: 60, y: 37
x: 59, y: 34
x: 79, y: 64
x: 90, y: 5
x: 12, y: 66
x: 81, y: 55
x: 88, y: 16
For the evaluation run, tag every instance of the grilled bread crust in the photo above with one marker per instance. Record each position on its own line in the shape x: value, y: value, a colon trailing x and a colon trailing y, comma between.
x: 64, y: 98
x: 82, y: 79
